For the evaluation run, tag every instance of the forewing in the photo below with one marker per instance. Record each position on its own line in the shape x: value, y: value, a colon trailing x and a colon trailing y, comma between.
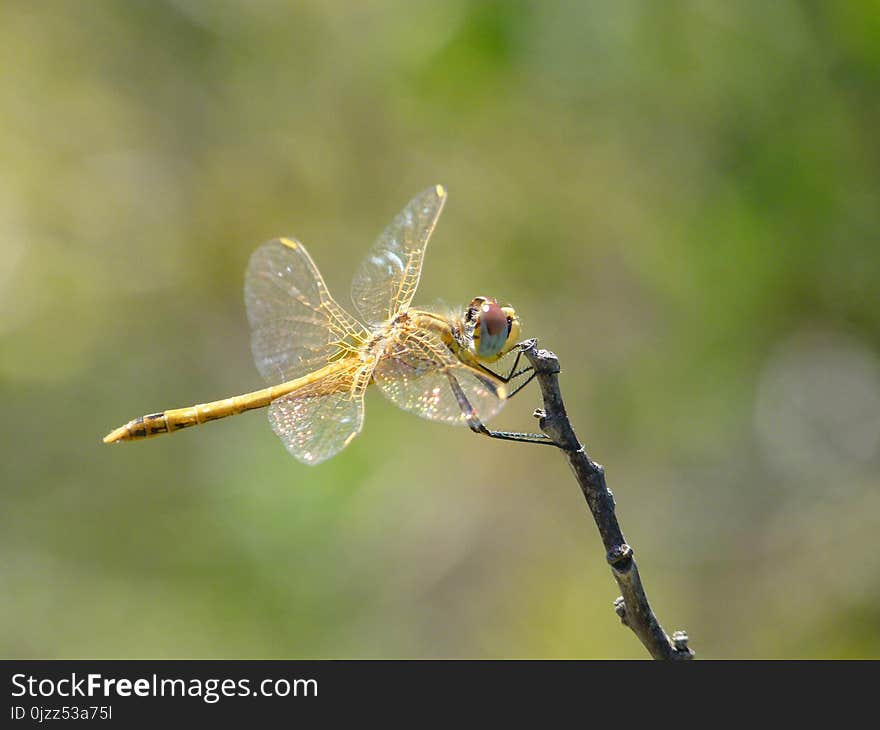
x: 415, y: 376
x: 320, y: 419
x: 388, y: 277
x: 295, y: 323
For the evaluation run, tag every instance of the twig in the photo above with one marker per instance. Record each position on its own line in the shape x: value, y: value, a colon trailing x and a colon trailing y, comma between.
x: 632, y: 607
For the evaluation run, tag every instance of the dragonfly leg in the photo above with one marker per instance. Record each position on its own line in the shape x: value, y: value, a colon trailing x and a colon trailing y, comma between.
x: 514, y: 373
x: 477, y: 426
x: 526, y: 438
x: 519, y: 387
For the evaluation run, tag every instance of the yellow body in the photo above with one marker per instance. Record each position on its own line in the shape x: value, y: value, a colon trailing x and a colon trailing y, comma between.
x: 176, y: 419
x: 333, y: 377
x: 428, y: 363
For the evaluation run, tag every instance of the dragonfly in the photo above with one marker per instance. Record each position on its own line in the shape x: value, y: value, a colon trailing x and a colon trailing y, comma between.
x: 319, y: 359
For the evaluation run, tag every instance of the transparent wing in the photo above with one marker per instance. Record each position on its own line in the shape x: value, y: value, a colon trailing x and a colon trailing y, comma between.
x: 387, y: 278
x: 295, y: 323
x: 415, y: 376
x: 319, y: 420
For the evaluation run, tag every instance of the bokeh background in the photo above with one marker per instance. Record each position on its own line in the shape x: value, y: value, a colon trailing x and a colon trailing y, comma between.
x: 681, y: 200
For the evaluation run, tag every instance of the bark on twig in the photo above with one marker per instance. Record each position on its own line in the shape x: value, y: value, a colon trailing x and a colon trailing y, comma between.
x: 632, y: 607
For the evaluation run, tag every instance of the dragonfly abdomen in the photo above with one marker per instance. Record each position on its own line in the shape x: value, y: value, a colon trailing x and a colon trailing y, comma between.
x: 155, y: 424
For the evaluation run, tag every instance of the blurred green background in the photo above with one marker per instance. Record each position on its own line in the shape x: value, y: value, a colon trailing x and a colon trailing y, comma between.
x: 680, y: 199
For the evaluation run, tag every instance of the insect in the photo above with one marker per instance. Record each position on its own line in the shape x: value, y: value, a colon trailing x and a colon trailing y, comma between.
x: 319, y: 359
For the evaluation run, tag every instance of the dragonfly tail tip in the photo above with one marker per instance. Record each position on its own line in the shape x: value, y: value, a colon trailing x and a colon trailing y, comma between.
x: 115, y: 435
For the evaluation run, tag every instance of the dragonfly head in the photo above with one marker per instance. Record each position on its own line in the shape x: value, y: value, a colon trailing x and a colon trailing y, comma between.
x: 494, y: 329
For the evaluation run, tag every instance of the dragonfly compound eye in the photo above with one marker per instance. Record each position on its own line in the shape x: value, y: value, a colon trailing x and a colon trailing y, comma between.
x: 513, y: 328
x: 491, y: 329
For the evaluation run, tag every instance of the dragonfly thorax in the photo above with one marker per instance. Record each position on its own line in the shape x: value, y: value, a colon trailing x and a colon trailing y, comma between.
x: 491, y: 330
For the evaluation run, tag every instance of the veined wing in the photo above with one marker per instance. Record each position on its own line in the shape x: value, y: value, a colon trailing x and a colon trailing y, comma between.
x: 415, y: 375
x: 296, y: 326
x: 387, y: 278
x: 319, y: 420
